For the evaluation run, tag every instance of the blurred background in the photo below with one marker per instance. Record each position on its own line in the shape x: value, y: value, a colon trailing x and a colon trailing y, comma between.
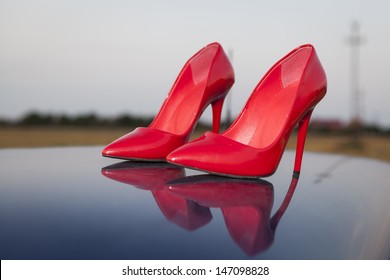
x: 85, y: 72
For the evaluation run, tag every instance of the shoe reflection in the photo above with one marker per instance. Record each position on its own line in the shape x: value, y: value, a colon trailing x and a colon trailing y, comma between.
x: 153, y: 177
x: 246, y: 204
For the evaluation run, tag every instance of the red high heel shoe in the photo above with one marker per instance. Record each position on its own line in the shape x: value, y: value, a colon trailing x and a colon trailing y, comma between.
x: 205, y: 79
x: 255, y: 142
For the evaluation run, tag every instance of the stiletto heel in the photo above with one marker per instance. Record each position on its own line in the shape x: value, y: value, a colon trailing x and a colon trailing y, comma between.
x: 254, y: 144
x: 205, y: 79
x: 301, y: 139
x: 217, y: 110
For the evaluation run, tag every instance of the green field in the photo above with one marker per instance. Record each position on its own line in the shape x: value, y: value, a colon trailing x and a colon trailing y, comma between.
x: 372, y: 146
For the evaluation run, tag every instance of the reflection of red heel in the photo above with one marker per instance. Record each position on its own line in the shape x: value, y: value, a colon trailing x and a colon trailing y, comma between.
x: 153, y: 177
x: 182, y: 212
x: 205, y: 79
x: 254, y: 144
x: 246, y: 206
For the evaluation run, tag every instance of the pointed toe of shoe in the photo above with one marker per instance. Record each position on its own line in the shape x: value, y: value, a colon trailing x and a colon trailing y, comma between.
x: 144, y: 144
x: 194, y: 154
x: 115, y: 150
x: 202, y: 154
x: 125, y: 147
x: 181, y: 157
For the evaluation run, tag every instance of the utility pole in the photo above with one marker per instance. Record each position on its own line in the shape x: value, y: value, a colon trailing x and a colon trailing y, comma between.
x: 355, y: 40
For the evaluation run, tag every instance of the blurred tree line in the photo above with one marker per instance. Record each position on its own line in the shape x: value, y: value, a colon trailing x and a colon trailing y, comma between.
x: 88, y: 119
x: 35, y: 118
x: 81, y: 120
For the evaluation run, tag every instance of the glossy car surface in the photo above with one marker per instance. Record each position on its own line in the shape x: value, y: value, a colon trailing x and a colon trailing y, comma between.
x: 72, y: 203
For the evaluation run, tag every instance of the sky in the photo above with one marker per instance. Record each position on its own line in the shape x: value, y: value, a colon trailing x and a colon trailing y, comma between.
x: 122, y: 56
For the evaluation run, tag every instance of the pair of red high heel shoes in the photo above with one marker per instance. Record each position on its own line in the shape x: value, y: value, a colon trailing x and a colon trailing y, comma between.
x: 254, y: 144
